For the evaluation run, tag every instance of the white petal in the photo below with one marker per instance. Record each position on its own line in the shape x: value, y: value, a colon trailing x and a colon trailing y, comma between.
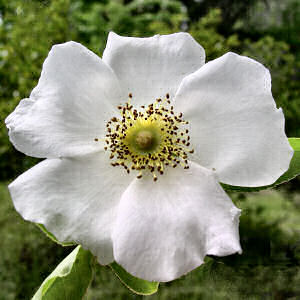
x: 74, y: 198
x: 165, y: 228
x: 77, y: 91
x: 151, y: 67
x: 235, y: 125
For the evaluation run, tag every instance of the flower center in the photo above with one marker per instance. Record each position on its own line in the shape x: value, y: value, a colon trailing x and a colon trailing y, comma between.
x: 148, y: 140
x: 145, y: 140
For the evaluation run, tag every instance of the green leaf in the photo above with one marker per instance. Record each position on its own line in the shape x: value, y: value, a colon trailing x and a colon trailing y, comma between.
x: 136, y: 285
x: 70, y: 279
x: 52, y: 237
x: 291, y: 173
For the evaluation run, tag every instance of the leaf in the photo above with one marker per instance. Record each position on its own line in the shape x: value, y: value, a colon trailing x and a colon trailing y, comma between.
x: 70, y: 279
x: 291, y: 173
x: 52, y: 237
x: 136, y: 285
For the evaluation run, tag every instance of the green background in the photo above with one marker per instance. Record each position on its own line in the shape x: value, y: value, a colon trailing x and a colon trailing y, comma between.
x: 267, y: 31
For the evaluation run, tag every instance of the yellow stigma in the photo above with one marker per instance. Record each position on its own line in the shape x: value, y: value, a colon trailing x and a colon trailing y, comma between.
x: 144, y: 140
x: 148, y: 140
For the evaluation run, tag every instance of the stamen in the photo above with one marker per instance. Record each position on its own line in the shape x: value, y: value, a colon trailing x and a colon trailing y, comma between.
x: 148, y: 140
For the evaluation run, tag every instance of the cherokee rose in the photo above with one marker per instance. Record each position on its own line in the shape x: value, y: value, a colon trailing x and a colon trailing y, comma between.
x: 215, y: 122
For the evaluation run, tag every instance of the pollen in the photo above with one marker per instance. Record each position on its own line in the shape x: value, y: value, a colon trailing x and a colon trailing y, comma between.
x: 148, y: 139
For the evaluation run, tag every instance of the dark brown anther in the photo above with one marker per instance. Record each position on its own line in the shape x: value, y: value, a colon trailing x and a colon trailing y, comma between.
x: 167, y: 96
x: 96, y: 140
x: 130, y: 95
x: 114, y: 119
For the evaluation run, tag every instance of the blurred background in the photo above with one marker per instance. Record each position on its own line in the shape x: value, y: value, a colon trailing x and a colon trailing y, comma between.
x: 266, y: 30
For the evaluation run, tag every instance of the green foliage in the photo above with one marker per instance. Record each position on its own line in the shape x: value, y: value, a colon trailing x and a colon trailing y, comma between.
x: 136, y: 285
x: 291, y: 173
x: 279, y: 19
x: 205, y: 32
x: 131, y: 18
x: 70, y: 279
x: 52, y: 237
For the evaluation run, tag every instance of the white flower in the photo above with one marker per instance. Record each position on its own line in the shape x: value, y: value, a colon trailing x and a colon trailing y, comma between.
x: 156, y: 229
